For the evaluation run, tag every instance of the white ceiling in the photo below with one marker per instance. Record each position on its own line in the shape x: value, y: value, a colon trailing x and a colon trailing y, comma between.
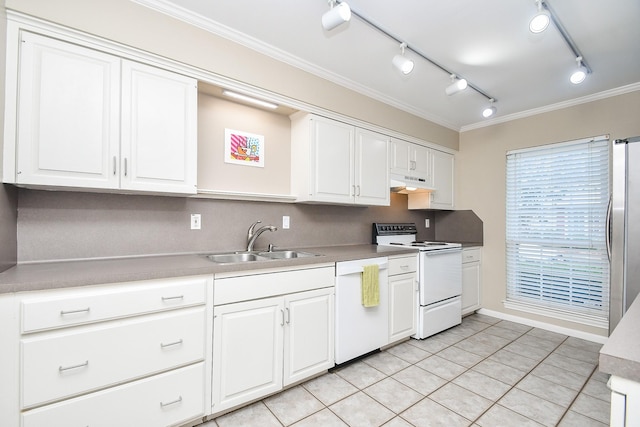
x: 487, y: 42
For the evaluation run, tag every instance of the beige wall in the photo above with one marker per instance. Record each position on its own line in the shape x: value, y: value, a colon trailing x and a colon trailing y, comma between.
x: 214, y: 116
x: 481, y: 173
x: 129, y: 23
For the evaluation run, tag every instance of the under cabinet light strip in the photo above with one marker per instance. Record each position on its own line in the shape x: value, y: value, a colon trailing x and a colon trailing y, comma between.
x: 250, y: 99
x: 420, y: 54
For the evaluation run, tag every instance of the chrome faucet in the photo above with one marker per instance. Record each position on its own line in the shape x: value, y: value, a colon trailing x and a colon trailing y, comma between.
x: 253, y: 235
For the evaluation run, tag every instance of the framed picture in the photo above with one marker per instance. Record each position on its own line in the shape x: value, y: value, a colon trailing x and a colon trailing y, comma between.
x: 242, y: 148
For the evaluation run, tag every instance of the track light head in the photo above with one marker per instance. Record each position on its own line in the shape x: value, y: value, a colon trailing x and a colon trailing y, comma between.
x: 579, y: 75
x: 403, y: 64
x: 336, y: 15
x: 490, y: 110
x: 540, y: 20
x: 457, y: 85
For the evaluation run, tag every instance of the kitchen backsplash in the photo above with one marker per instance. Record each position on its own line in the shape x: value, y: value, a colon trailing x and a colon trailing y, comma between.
x: 8, y: 203
x: 57, y: 225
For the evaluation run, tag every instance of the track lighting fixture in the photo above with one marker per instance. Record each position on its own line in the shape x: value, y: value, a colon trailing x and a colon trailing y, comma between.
x: 457, y: 85
x: 405, y: 65
x: 338, y: 14
x: 541, y: 20
x: 580, y: 74
x: 490, y: 110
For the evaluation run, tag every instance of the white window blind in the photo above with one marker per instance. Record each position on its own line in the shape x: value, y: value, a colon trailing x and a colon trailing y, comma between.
x: 557, y: 198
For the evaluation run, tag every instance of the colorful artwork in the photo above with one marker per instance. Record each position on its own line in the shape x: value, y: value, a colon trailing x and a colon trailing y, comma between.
x: 243, y: 148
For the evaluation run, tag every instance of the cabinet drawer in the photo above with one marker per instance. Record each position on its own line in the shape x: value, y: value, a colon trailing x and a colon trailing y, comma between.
x: 267, y: 284
x: 162, y: 400
x: 61, y: 364
x: 471, y: 255
x: 402, y: 265
x: 68, y: 307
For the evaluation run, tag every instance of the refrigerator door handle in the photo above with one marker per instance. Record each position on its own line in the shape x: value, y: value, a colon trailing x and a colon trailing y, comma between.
x: 608, y: 227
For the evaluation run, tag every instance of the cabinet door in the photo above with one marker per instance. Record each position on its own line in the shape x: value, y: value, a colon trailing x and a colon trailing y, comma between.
x: 372, y: 168
x: 332, y: 161
x: 420, y: 163
x: 442, y: 197
x: 402, y: 306
x: 470, y: 286
x: 308, y: 334
x: 159, y: 135
x: 247, y: 351
x: 399, y: 156
x: 68, y: 115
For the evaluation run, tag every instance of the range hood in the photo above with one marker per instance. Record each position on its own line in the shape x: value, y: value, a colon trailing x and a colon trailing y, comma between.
x: 405, y: 184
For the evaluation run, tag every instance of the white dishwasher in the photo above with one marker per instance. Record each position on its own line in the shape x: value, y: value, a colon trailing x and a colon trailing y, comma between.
x: 359, y: 329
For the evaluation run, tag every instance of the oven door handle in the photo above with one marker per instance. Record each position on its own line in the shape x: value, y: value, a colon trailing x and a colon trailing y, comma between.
x: 440, y: 251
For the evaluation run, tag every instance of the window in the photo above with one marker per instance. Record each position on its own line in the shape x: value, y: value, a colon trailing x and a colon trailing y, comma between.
x: 557, y: 262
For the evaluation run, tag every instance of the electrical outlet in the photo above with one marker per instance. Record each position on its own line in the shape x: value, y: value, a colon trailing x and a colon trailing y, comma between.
x: 285, y: 222
x: 426, y: 223
x: 196, y: 222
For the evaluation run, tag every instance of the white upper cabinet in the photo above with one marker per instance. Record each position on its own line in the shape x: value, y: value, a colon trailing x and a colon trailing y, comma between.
x: 68, y: 115
x: 159, y: 130
x: 443, y: 172
x: 372, y: 168
x: 88, y: 119
x: 410, y: 159
x: 333, y: 162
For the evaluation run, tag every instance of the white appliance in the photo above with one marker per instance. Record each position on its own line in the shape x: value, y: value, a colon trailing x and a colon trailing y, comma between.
x: 624, y: 234
x: 439, y: 276
x: 360, y: 330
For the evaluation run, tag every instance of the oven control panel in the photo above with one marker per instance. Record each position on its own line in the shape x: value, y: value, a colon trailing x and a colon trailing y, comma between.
x: 392, y: 229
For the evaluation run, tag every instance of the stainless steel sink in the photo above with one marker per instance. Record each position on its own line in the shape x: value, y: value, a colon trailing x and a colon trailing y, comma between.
x: 285, y: 254
x: 236, y: 257
x: 239, y: 257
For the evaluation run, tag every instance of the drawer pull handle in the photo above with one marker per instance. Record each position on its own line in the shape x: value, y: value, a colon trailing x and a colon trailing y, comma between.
x: 404, y: 267
x: 172, y: 298
x: 173, y: 402
x: 67, y: 312
x: 67, y: 368
x: 163, y: 345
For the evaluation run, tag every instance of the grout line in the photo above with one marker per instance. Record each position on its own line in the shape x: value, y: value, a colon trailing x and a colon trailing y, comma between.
x: 466, y: 369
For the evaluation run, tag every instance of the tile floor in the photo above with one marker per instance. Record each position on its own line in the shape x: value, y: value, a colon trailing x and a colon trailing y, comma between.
x: 485, y: 372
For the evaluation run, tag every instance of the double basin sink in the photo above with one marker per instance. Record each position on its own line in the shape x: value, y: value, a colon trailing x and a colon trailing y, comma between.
x: 240, y: 256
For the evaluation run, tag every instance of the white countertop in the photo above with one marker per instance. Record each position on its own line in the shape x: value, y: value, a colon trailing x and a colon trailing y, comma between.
x: 620, y: 356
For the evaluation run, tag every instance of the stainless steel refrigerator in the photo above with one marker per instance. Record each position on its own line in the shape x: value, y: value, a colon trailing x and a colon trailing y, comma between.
x: 624, y: 242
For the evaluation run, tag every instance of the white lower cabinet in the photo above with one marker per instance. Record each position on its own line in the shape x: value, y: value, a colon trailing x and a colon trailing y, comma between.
x: 90, y: 356
x: 265, y: 344
x: 403, y: 289
x: 162, y: 400
x: 471, y: 279
x: 625, y: 400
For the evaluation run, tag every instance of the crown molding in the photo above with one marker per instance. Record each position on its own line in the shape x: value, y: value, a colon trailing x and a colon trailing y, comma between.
x: 211, y: 26
x: 554, y: 107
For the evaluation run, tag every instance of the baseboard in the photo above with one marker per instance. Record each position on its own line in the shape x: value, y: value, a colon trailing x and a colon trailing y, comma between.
x: 547, y: 326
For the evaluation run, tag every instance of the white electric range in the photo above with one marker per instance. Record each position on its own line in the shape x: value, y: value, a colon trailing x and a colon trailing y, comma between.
x: 439, y: 276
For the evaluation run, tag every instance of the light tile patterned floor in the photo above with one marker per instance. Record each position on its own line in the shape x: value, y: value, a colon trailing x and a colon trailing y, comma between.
x: 485, y: 372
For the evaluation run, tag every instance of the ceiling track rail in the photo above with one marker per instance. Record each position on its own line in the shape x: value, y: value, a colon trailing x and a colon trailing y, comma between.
x: 419, y: 53
x: 565, y: 35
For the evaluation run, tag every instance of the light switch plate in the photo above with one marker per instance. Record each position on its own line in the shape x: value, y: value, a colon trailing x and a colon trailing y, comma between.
x: 426, y: 223
x: 285, y: 222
